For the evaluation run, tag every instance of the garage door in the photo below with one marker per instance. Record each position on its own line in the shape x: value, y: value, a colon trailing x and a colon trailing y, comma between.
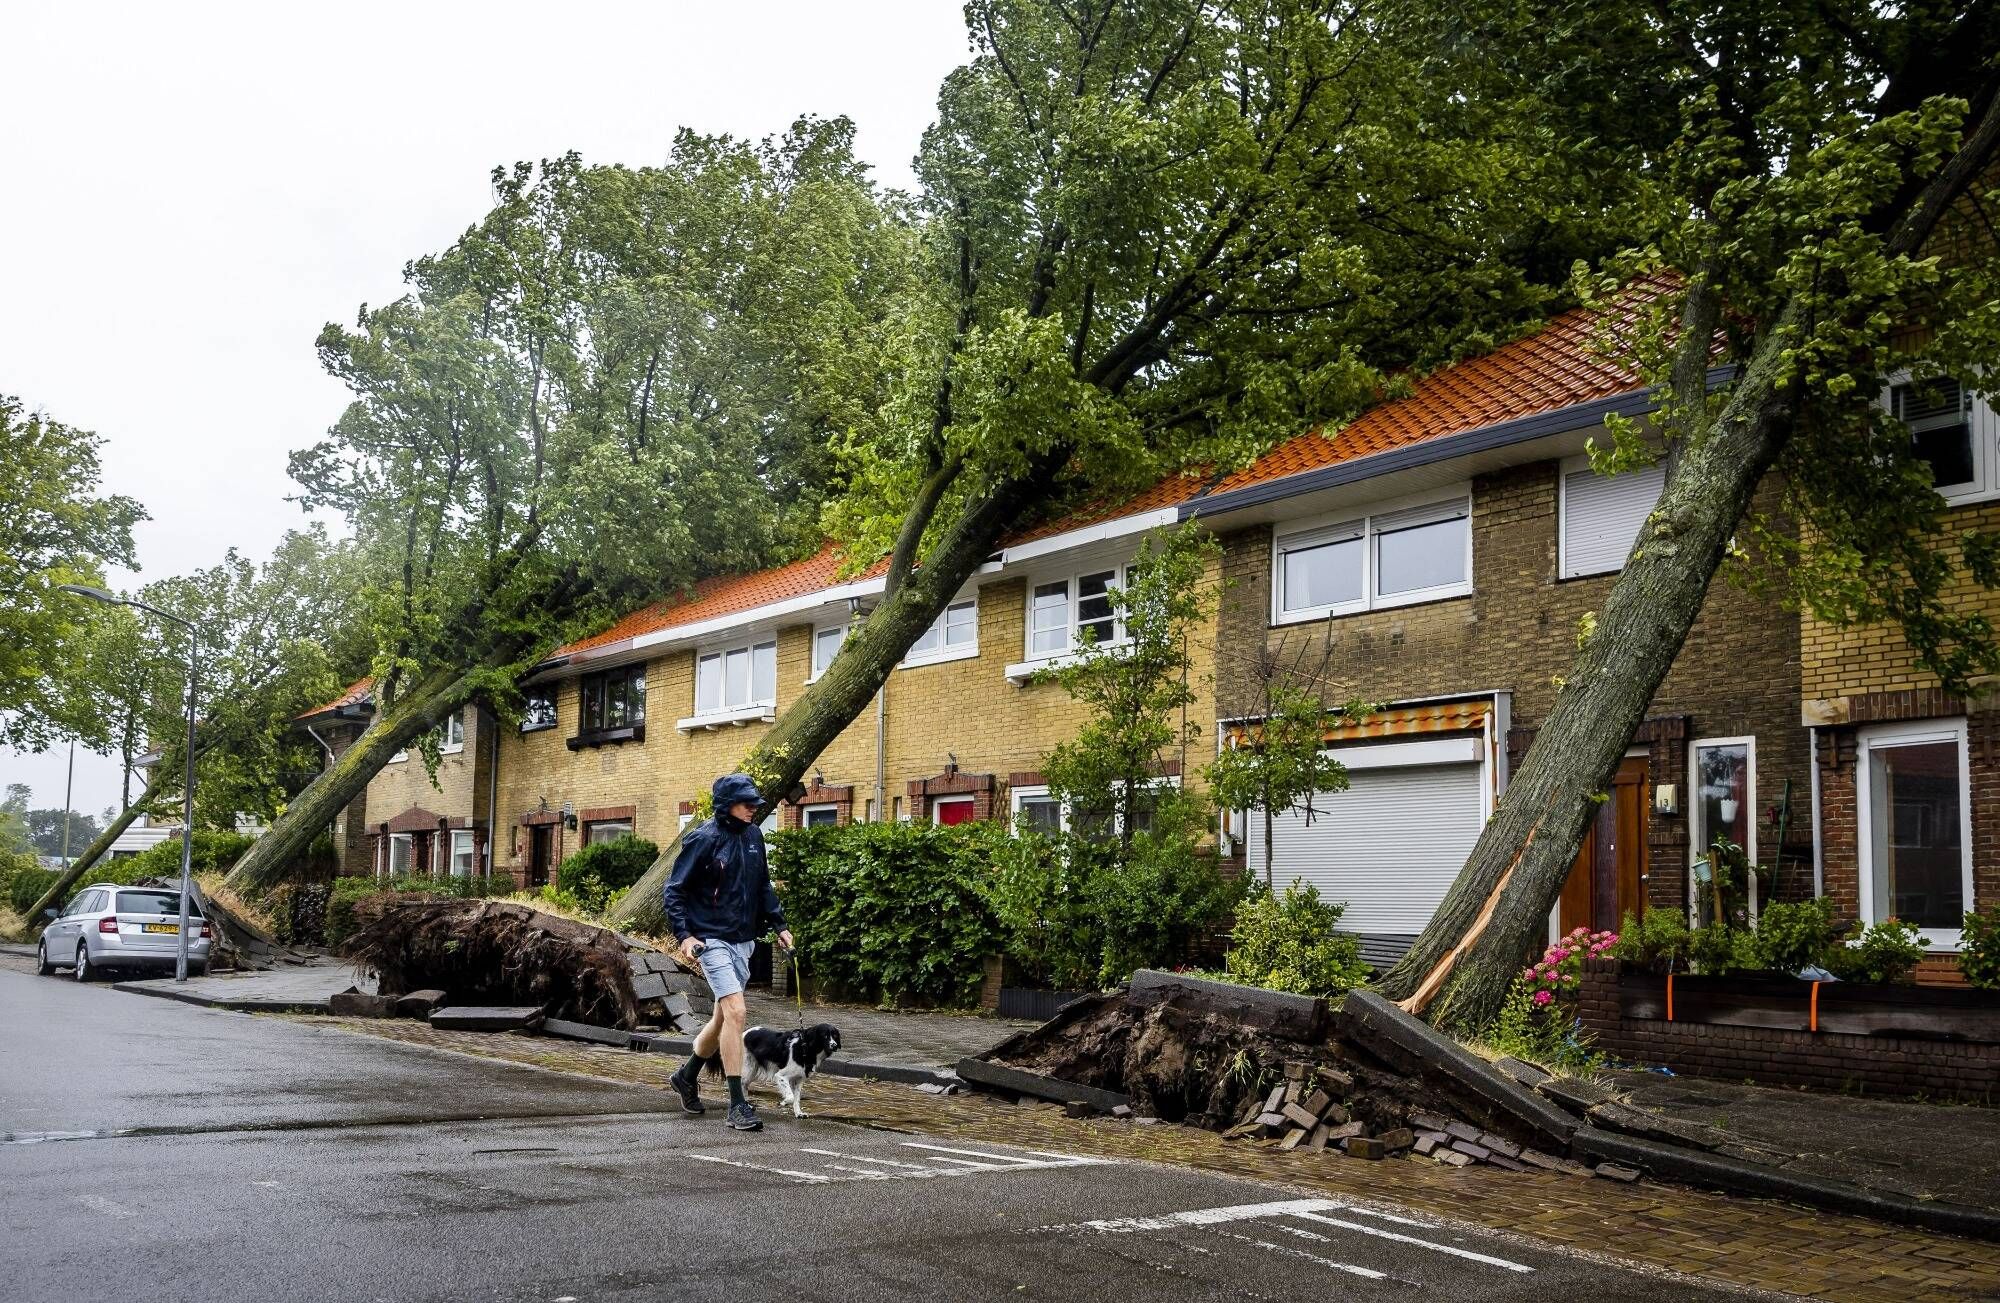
x: 1388, y: 847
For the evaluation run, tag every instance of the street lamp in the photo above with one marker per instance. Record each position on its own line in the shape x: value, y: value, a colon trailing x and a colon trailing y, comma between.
x: 187, y: 812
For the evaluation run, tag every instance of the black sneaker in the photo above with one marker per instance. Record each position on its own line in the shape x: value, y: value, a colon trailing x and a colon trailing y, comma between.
x: 743, y: 1117
x: 686, y: 1085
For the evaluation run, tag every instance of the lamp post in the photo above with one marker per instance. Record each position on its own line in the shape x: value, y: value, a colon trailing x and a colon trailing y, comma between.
x: 187, y: 809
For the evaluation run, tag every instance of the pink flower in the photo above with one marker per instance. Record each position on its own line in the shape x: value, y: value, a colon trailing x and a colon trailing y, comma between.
x: 1545, y: 997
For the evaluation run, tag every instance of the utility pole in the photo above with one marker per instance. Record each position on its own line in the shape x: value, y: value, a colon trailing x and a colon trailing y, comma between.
x: 69, y: 799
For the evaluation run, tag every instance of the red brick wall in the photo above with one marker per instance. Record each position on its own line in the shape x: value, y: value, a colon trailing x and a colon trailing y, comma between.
x: 1881, y: 1065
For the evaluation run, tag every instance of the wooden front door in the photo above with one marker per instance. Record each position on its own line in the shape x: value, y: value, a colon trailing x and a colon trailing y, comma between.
x: 1608, y: 880
x: 541, y: 843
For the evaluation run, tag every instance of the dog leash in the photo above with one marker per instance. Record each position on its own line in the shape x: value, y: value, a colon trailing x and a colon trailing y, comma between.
x: 798, y: 997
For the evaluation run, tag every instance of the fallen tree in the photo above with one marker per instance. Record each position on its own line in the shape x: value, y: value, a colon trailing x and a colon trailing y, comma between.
x: 491, y: 952
x: 1872, y: 257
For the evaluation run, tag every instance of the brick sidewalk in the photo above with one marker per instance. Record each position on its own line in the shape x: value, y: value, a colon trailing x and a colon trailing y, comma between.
x: 1753, y: 1243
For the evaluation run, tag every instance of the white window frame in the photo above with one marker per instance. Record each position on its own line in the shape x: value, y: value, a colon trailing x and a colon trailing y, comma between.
x: 454, y: 723
x: 1566, y: 468
x: 1301, y: 535
x: 813, y: 667
x: 1699, y: 839
x: 1906, y: 734
x: 939, y: 801
x: 1019, y: 796
x: 806, y: 813
x: 755, y: 708
x: 409, y: 843
x: 1121, y: 575
x: 1984, y: 426
x: 942, y: 625
x: 462, y: 837
x: 630, y: 829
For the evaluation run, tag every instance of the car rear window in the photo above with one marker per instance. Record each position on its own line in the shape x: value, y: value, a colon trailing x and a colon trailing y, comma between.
x: 154, y: 902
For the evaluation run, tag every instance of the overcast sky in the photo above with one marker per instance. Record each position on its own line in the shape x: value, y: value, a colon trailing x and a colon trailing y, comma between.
x: 193, y: 190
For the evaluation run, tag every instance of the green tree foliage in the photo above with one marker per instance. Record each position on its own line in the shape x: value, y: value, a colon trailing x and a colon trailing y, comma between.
x: 1817, y: 219
x: 1282, y: 762
x: 55, y: 528
x: 1979, y: 948
x: 46, y: 830
x: 618, y: 382
x: 1292, y: 942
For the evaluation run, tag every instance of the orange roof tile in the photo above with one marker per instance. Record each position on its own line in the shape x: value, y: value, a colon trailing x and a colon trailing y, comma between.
x: 356, y: 692
x: 726, y: 595
x: 1558, y: 366
x: 1169, y: 492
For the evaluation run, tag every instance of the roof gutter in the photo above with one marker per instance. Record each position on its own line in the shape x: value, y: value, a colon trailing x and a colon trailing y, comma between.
x: 1428, y: 452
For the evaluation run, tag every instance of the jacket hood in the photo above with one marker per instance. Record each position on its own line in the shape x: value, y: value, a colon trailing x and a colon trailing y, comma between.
x: 731, y: 788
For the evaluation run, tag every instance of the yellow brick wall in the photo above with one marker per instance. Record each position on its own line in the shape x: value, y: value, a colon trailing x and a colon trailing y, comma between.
x: 456, y: 794
x: 1875, y: 658
x: 963, y: 707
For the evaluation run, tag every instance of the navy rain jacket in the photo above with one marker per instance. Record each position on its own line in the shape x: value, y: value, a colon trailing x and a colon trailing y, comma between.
x: 720, y: 889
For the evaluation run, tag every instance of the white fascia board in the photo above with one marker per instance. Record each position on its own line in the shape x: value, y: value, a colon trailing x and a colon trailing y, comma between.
x: 1101, y: 532
x: 1398, y: 755
x: 755, y: 615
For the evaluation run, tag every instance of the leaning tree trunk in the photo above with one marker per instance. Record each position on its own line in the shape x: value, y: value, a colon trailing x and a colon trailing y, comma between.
x: 1461, y: 966
x: 810, y: 724
x: 416, y: 711
x: 164, y: 776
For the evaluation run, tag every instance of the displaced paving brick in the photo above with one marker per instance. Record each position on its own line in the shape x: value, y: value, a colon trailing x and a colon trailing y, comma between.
x: 1317, y: 1103
x: 1551, y: 1163
x: 1453, y: 1158
x: 1335, y: 1114
x: 1398, y: 1138
x: 360, y: 1004
x: 1292, y: 1140
x: 418, y: 1004
x: 1321, y: 1134
x: 1079, y: 1108
x: 1275, y: 1100
x: 1617, y: 1172
x: 1344, y: 1131
x: 1295, y: 1071
x: 1121, y: 1110
x: 1478, y: 1153
x: 1502, y: 1161
x: 649, y: 986
x: 1300, y: 1116
x: 1338, y: 1080
x: 1365, y: 1147
x: 1426, y: 1142
x: 1461, y: 1131
x: 1499, y: 1144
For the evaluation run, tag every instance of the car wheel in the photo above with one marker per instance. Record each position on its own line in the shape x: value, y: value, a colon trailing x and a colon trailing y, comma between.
x: 42, y: 965
x: 84, y: 972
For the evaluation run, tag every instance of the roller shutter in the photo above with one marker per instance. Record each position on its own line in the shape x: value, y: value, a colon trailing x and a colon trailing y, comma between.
x: 1388, y: 847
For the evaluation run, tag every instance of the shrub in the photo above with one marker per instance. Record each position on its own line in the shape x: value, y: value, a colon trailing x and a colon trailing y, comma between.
x: 1038, y: 897
x: 1793, y: 937
x: 1979, y: 950
x: 593, y: 873
x: 1658, y: 941
x: 1887, y: 951
x: 26, y: 885
x: 893, y: 911
x: 1153, y: 901
x: 1291, y: 943
x: 1538, y: 1020
x: 213, y: 849
x: 1718, y: 948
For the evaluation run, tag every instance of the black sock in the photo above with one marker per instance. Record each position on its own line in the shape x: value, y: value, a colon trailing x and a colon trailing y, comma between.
x: 736, y: 1095
x: 691, y: 1070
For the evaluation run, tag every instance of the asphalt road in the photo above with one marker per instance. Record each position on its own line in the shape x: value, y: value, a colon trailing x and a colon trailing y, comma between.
x: 157, y: 1151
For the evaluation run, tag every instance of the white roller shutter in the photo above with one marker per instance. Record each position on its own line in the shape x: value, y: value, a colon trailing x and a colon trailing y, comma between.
x: 1602, y: 515
x: 1388, y: 847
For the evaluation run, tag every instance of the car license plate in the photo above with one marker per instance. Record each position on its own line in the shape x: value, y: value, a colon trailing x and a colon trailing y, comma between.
x: 169, y: 928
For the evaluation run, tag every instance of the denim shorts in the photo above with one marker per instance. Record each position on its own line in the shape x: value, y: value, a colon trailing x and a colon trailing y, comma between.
x: 726, y: 965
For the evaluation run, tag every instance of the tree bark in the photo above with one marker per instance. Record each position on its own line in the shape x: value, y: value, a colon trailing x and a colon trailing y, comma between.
x: 810, y: 724
x: 1460, y: 968
x: 164, y: 776
x: 421, y: 707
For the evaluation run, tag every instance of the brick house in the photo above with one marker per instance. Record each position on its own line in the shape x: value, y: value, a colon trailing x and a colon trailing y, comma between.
x: 1907, y: 775
x: 404, y: 823
x: 624, y: 731
x: 1446, y: 547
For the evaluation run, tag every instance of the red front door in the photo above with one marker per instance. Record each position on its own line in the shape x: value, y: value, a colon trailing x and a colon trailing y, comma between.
x: 952, y: 811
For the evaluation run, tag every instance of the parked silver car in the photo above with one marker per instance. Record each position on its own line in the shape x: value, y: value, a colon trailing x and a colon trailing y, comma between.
x: 106, y: 926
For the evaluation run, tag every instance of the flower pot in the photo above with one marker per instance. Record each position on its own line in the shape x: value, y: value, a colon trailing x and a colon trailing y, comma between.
x: 1729, y: 804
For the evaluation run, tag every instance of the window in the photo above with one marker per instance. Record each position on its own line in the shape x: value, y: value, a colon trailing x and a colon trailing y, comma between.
x: 951, y: 809
x: 538, y: 710
x: 686, y: 819
x: 952, y: 636
x: 1063, y: 613
x: 1724, y: 778
x: 1916, y: 827
x: 1037, y: 811
x: 1943, y: 433
x: 1602, y: 514
x: 606, y: 830
x: 401, y: 846
x: 155, y: 902
x: 614, y: 699
x: 452, y: 732
x: 736, y: 679
x: 826, y: 645
x: 818, y: 816
x: 1388, y: 559
x: 464, y: 862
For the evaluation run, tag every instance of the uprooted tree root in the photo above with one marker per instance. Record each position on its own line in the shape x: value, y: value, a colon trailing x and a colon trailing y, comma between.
x: 1182, y: 1060
x: 499, y: 953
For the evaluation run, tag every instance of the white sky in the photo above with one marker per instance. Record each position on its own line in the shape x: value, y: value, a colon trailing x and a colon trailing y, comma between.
x: 189, y: 192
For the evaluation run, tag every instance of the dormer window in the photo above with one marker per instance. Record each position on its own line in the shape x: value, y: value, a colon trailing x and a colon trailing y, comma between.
x: 1952, y: 432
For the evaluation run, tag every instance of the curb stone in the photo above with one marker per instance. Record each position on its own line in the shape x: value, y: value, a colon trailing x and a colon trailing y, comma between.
x: 212, y: 1002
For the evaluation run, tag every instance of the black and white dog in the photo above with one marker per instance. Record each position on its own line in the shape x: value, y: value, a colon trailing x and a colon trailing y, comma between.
x: 786, y: 1059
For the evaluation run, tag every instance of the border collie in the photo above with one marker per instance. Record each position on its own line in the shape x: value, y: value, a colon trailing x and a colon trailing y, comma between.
x: 786, y: 1059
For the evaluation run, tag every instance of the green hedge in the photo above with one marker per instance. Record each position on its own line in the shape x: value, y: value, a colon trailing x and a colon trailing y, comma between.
x: 212, y: 850
x: 596, y: 873
x: 896, y: 912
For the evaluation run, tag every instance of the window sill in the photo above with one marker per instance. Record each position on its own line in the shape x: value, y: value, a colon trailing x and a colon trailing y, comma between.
x: 726, y: 718
x: 939, y: 658
x: 608, y: 737
x: 1419, y: 598
x: 536, y: 728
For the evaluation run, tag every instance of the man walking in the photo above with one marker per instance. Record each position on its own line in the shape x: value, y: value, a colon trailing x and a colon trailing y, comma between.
x: 719, y: 901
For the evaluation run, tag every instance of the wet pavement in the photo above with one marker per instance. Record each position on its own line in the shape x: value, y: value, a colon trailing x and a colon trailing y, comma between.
x: 288, y: 1158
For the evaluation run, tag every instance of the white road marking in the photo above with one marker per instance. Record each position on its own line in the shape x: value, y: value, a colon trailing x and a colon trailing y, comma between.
x: 1290, y: 1252
x: 1066, y: 1160
x: 1379, y: 1233
x: 781, y: 1171
x: 99, y: 1204
x: 269, y: 1185
x: 1241, y: 1212
x: 863, y: 1158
